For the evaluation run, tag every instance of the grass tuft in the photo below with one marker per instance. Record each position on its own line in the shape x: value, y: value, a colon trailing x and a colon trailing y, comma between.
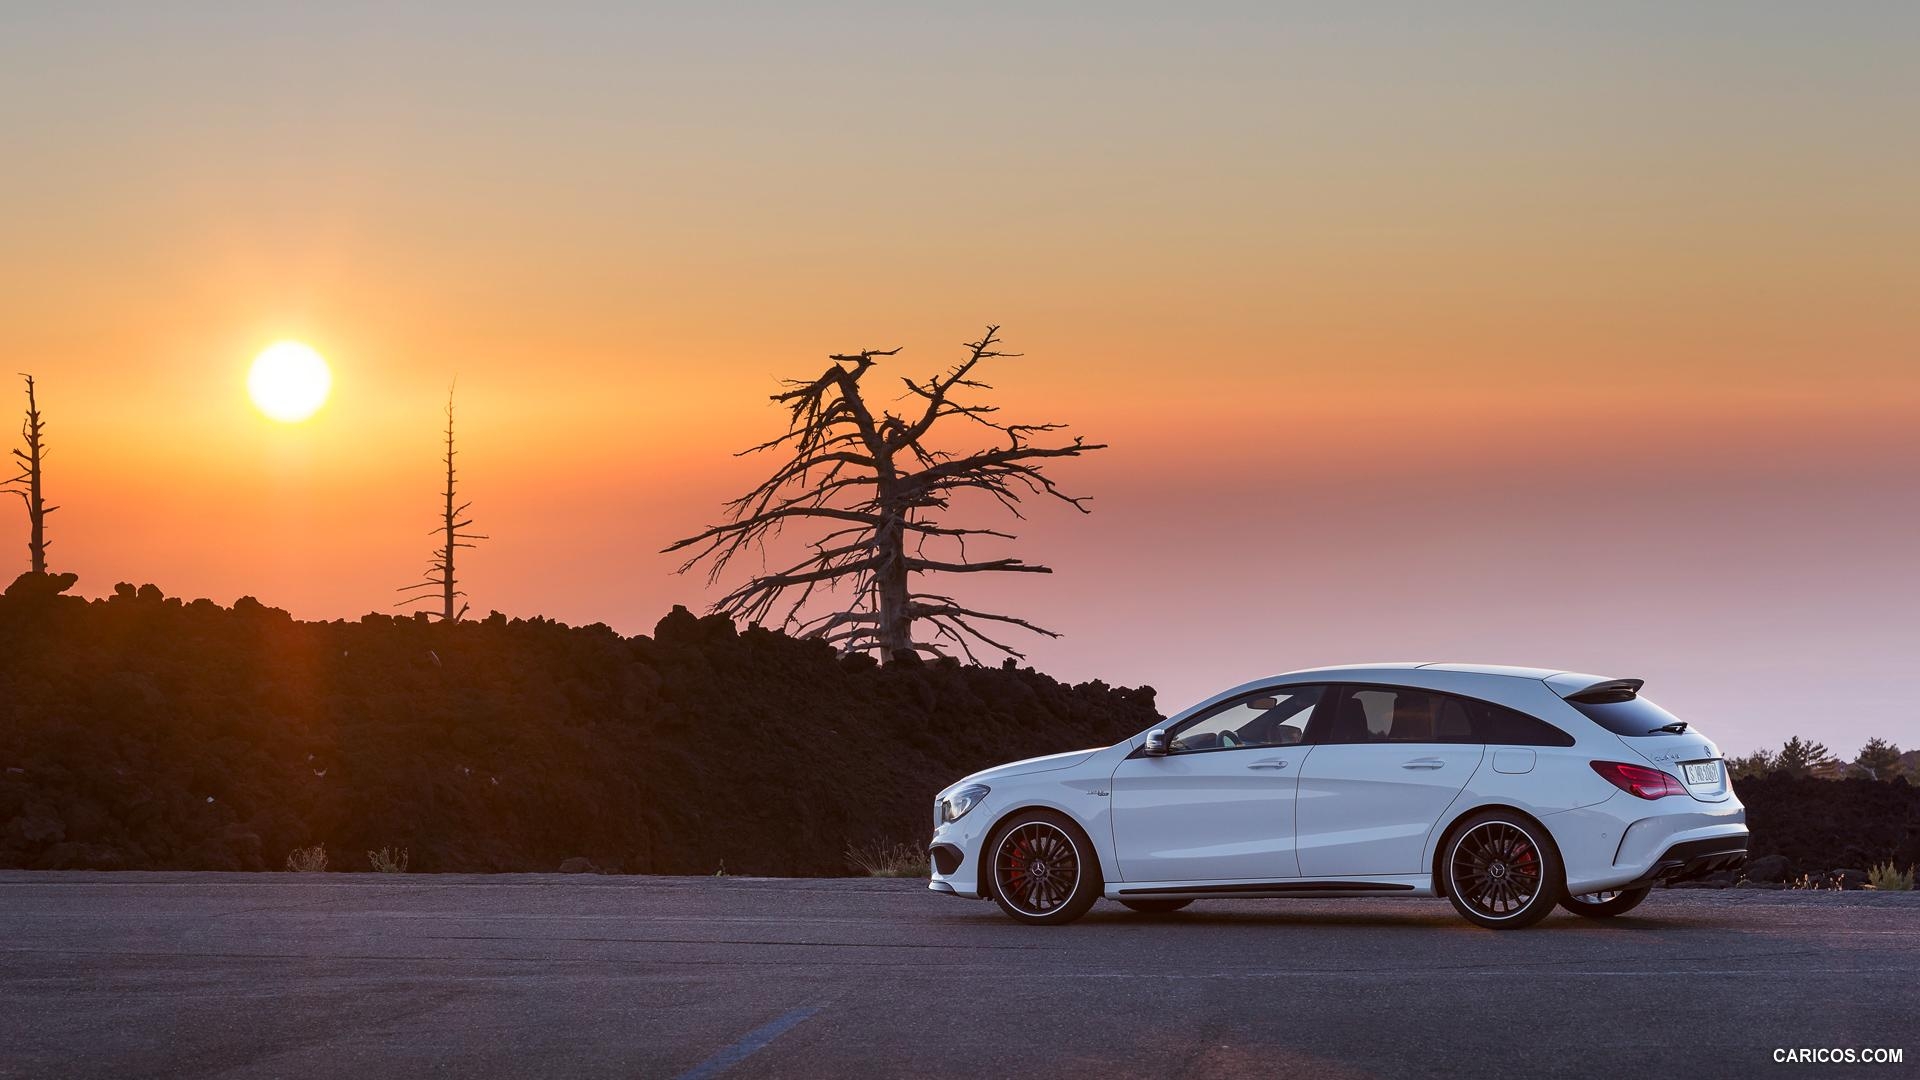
x: 307, y: 860
x: 388, y: 861
x: 889, y: 860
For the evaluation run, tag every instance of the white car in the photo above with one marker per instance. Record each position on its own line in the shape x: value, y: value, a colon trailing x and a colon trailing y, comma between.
x: 1507, y: 790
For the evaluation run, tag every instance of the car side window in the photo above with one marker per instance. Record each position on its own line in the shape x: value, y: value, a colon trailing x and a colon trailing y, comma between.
x: 1387, y: 714
x: 1276, y: 717
x: 1499, y: 724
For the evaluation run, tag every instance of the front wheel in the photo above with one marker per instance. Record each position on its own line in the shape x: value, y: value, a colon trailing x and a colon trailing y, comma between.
x: 1605, y: 905
x: 1502, y: 871
x: 1154, y: 907
x: 1044, y: 870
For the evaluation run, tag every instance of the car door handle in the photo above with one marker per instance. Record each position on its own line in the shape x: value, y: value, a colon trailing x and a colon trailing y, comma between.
x: 1424, y: 763
x: 1270, y: 763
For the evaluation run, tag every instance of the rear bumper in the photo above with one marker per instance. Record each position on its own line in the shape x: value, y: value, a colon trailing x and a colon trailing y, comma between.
x: 1694, y: 859
x: 1625, y: 842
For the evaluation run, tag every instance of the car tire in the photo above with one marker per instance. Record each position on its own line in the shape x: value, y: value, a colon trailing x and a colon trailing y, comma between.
x: 1044, y: 870
x: 1605, y: 905
x: 1154, y: 907
x: 1501, y: 870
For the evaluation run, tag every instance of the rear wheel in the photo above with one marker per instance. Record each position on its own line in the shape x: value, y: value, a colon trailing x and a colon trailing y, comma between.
x: 1605, y: 905
x: 1044, y: 870
x: 1502, y: 871
x: 1155, y: 907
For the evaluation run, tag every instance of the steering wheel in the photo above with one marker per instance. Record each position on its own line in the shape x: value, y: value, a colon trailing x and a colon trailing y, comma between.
x: 1227, y: 739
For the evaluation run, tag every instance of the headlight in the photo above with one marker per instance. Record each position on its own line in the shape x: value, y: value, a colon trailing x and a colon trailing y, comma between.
x: 955, y: 806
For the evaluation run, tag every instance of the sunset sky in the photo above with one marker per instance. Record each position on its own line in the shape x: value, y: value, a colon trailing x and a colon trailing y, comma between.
x: 1526, y: 334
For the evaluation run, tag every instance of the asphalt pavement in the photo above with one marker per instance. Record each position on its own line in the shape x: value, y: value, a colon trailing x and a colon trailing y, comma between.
x: 294, y: 975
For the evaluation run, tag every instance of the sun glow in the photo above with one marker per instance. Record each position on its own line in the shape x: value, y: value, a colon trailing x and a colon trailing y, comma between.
x: 289, y: 381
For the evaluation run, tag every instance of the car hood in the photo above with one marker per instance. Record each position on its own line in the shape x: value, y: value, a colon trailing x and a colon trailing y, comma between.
x: 1030, y: 765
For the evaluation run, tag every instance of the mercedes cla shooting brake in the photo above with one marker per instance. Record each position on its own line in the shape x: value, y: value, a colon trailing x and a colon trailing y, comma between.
x: 1506, y: 790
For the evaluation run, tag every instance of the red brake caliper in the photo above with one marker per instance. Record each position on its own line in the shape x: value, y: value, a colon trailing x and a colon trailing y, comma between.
x: 1523, y: 857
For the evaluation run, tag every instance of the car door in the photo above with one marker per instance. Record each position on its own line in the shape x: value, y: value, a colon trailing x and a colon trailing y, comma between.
x: 1218, y: 806
x: 1388, y: 762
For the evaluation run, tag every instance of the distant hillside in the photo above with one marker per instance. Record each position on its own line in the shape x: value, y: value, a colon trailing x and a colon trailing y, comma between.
x: 141, y: 732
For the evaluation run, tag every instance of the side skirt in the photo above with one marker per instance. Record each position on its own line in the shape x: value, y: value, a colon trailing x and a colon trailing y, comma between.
x: 1271, y: 889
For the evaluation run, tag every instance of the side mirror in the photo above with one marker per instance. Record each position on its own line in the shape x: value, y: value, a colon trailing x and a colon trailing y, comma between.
x: 1156, y: 743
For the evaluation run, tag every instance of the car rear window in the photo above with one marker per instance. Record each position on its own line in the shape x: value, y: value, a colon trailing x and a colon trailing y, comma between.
x: 1634, y: 716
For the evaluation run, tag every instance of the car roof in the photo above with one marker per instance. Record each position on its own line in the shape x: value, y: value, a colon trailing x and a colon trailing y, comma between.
x: 1359, y: 672
x: 1497, y: 682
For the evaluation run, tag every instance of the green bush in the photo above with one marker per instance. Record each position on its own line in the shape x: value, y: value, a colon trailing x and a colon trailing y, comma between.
x: 1888, y: 878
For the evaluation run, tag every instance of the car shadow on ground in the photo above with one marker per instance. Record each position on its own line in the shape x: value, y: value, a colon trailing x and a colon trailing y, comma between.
x: 1221, y: 917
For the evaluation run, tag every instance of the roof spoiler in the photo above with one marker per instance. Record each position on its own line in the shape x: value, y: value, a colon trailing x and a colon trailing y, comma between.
x: 1593, y: 689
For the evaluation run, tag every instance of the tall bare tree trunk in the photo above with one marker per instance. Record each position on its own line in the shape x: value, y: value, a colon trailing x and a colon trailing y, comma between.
x: 28, y: 484
x: 890, y: 580
x: 36, y: 505
x: 441, y: 577
x: 448, y: 523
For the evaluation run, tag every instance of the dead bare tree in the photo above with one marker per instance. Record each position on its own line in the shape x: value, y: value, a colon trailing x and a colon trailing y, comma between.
x: 879, y: 480
x: 440, y: 576
x: 27, y: 485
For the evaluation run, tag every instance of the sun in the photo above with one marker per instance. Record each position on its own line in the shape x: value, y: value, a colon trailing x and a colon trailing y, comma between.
x: 289, y: 381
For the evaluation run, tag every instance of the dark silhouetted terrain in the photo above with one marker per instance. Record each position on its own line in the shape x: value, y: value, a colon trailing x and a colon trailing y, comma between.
x: 139, y: 732
x: 1822, y: 825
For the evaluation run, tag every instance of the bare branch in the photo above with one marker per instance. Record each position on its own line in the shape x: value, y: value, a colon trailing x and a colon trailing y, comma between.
x: 875, y: 477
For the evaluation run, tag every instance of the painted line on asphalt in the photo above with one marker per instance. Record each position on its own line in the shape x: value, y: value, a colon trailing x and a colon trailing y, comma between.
x: 750, y: 1043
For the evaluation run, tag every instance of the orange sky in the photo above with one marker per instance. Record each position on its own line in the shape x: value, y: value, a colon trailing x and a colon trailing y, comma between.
x: 1590, y: 340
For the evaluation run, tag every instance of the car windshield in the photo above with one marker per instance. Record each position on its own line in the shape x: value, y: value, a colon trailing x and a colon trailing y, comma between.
x: 1634, y: 716
x: 1275, y: 717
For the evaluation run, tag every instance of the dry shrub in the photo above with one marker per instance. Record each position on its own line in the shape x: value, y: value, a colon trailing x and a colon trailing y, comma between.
x: 307, y: 860
x: 888, y: 860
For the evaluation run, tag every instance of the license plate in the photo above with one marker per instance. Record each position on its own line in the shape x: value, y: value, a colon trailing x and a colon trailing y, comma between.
x: 1706, y: 772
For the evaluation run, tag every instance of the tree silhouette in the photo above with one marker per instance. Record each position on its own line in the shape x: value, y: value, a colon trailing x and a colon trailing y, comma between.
x: 27, y: 485
x: 1798, y: 756
x: 440, y: 575
x: 1879, y: 757
x: 877, y: 478
x: 1754, y: 765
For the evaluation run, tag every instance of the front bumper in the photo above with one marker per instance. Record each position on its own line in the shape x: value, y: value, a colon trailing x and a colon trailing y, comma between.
x: 945, y: 859
x: 955, y: 852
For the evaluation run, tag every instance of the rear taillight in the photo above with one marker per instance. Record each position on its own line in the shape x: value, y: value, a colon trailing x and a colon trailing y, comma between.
x: 1639, y: 780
